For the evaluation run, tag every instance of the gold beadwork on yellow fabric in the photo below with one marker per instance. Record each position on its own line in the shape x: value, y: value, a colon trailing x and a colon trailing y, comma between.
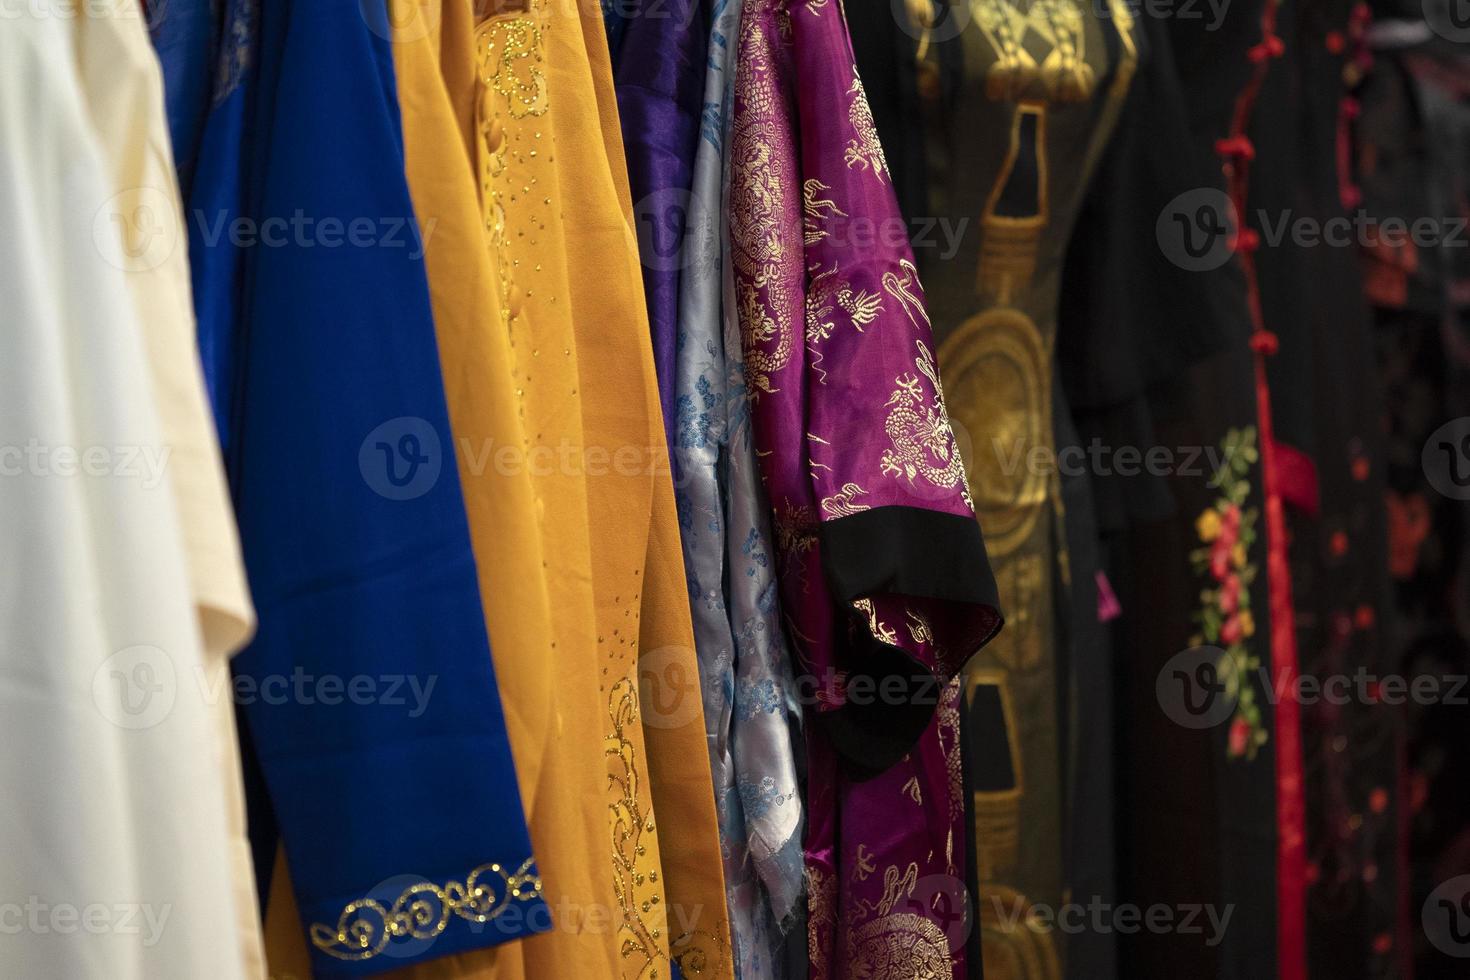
x: 509, y: 54
x: 423, y: 911
x: 643, y: 915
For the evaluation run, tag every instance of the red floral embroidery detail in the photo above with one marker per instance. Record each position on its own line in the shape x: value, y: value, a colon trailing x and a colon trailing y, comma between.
x: 1226, y: 532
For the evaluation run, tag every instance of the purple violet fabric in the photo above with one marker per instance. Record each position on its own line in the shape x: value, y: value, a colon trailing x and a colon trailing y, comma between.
x: 884, y: 580
x: 658, y: 72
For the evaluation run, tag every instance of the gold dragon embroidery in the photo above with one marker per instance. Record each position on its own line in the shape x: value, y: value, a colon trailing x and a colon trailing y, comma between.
x: 864, y: 152
x: 923, y: 442
x: 828, y: 292
x: 760, y: 237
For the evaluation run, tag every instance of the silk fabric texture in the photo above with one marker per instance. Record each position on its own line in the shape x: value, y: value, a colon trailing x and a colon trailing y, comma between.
x: 884, y: 578
x: 322, y: 361
x: 750, y: 709
x: 549, y: 373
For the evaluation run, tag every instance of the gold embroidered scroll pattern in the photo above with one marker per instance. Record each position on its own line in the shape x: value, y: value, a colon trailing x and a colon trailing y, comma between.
x: 816, y: 211
x: 423, y: 911
x: 844, y: 502
x: 908, y: 292
x: 638, y: 890
x: 876, y: 626
x: 692, y: 951
x: 760, y: 208
x: 510, y: 53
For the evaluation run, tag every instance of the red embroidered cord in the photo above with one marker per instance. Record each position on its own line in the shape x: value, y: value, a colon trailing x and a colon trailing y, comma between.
x: 1291, y: 854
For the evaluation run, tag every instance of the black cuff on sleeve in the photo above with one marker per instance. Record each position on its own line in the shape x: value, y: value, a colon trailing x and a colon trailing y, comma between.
x: 912, y: 552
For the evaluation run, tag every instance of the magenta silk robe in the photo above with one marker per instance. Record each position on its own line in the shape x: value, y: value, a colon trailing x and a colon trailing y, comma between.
x: 884, y: 580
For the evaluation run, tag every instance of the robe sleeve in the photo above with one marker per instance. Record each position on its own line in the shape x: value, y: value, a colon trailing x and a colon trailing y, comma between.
x: 369, y: 691
x: 901, y: 552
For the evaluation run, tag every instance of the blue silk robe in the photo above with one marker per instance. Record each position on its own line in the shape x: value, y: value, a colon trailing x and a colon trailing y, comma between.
x: 369, y: 690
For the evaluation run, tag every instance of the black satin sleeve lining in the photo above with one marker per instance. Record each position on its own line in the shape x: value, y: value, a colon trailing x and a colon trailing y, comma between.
x: 906, y: 551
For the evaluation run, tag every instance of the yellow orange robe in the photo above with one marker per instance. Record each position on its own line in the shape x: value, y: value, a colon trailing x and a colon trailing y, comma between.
x: 515, y: 163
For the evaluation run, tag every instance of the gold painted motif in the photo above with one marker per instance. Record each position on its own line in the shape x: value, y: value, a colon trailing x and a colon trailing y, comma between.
x: 997, y: 812
x: 1014, y: 944
x: 951, y: 742
x: 1009, y: 242
x: 897, y: 885
x: 1064, y: 74
x: 999, y: 385
x: 908, y: 292
x: 919, y: 627
x: 423, y: 911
